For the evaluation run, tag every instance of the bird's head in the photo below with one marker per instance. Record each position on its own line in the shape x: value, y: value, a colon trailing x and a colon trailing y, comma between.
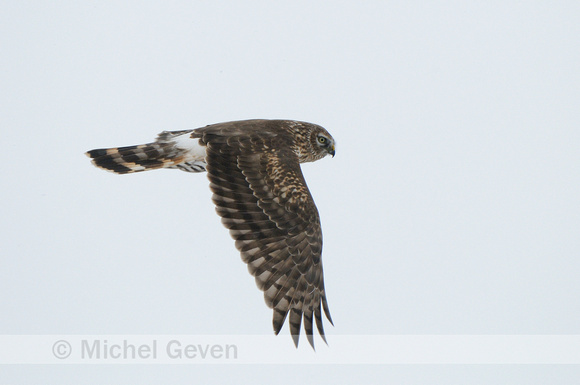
x: 321, y: 143
x: 311, y: 141
x: 324, y: 143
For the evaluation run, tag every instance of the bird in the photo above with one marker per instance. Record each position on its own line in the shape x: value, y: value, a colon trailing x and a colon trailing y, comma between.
x: 260, y: 193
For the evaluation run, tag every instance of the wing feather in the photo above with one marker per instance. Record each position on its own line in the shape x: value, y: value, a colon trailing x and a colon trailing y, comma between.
x: 262, y: 198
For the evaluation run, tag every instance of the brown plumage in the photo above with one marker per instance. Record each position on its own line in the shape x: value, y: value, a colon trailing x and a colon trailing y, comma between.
x: 261, y: 195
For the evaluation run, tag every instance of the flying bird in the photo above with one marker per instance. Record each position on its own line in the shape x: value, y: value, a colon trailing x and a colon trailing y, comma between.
x: 261, y: 196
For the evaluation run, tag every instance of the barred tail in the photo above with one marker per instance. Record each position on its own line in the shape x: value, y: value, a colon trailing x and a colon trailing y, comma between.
x: 172, y: 149
x: 125, y: 160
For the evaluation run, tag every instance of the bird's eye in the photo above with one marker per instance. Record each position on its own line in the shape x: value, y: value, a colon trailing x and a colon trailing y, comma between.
x: 321, y: 139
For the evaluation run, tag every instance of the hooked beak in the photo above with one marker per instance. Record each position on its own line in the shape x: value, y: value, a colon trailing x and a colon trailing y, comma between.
x: 331, y: 151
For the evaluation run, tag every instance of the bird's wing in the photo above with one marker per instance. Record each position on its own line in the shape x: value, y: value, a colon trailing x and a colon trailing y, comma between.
x: 262, y: 197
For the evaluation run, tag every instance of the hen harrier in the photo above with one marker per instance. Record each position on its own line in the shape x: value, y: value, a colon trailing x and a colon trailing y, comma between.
x: 261, y: 195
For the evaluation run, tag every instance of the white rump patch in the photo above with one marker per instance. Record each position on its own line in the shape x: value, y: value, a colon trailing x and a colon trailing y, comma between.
x: 191, y: 145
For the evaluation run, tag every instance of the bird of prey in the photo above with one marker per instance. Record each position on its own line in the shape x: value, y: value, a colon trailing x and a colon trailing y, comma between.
x: 262, y: 198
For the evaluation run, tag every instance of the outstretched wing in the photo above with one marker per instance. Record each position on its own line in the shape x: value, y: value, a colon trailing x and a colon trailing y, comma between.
x: 262, y: 197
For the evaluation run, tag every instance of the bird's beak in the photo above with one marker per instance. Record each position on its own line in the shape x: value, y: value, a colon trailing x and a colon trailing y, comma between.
x: 331, y: 151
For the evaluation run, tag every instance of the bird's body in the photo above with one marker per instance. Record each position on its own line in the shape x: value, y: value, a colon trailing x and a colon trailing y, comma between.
x: 261, y: 195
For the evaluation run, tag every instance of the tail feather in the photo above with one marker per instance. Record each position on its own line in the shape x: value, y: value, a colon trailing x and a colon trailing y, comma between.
x: 166, y: 152
x: 124, y: 160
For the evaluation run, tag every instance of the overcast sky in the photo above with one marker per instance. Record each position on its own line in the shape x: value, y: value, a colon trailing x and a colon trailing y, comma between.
x: 451, y: 206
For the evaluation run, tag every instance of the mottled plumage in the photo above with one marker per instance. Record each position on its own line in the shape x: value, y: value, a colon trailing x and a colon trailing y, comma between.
x: 261, y: 195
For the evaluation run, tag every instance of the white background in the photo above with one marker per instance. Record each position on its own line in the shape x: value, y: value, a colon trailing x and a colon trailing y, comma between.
x: 450, y: 208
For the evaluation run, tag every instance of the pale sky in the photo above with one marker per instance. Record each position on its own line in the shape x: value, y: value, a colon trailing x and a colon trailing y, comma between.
x: 451, y: 206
